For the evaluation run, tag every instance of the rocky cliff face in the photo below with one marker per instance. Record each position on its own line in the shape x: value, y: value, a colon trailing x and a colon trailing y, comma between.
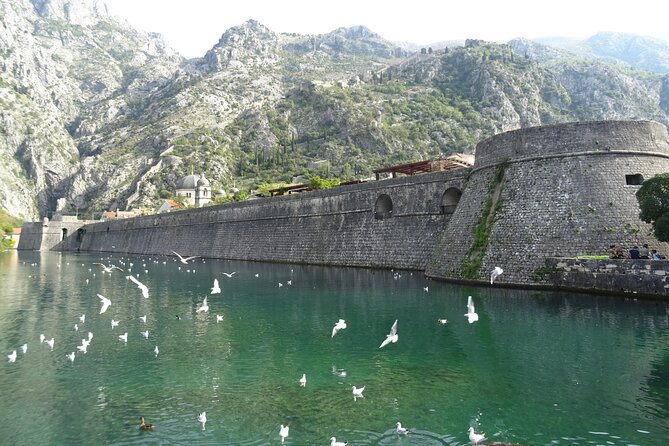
x: 95, y: 115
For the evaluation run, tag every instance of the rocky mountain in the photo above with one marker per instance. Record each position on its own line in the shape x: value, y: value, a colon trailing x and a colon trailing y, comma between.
x: 96, y: 115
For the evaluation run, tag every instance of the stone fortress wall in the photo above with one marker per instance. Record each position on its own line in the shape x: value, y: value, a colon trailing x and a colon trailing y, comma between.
x: 391, y: 223
x: 567, y: 190
x: 557, y: 191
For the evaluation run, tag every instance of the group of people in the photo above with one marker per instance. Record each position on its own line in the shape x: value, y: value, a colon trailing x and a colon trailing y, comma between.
x: 616, y: 252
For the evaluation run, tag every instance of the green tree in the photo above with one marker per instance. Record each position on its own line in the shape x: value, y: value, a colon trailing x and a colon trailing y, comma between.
x: 653, y: 197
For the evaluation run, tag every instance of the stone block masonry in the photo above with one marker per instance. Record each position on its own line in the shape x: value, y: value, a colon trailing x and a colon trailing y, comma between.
x: 567, y: 190
x: 337, y: 226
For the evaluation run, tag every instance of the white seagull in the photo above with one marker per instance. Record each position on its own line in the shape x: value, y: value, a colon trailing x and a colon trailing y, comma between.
x: 340, y: 325
x: 471, y: 311
x: 215, y: 289
x: 12, y: 356
x: 390, y: 337
x: 303, y: 380
x: 357, y: 393
x: 143, y: 318
x: 202, y: 418
x: 140, y: 285
x: 50, y: 343
x: 230, y: 274
x: 184, y: 260
x: 334, y: 442
x: 474, y: 437
x: 82, y: 318
x: 494, y: 273
x: 283, y: 432
x: 70, y: 357
x: 442, y: 321
x: 108, y: 269
x: 41, y: 338
x: 84, y: 345
x: 156, y: 351
x: 399, y: 430
x: 204, y: 307
x: 145, y: 334
x: 124, y: 337
x: 219, y: 318
x: 76, y: 327
x: 105, y: 303
x: 24, y: 348
x: 114, y: 323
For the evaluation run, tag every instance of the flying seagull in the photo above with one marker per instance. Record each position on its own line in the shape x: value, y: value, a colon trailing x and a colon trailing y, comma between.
x: 70, y: 357
x: 215, y: 289
x: 230, y: 274
x: 114, y: 323
x: 145, y: 334
x: 140, y: 285
x: 340, y: 325
x: 471, y: 311
x: 156, y: 351
x: 105, y: 303
x: 108, y: 269
x: 390, y: 337
x: 303, y: 380
x: 184, y: 260
x: 219, y: 318
x: 494, y: 273
x: 24, y: 348
x: 124, y: 337
x: 204, y: 307
x: 12, y: 356
x: 50, y: 343
x: 143, y: 318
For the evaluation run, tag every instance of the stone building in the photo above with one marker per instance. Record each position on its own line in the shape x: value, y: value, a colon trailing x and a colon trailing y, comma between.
x: 195, y: 188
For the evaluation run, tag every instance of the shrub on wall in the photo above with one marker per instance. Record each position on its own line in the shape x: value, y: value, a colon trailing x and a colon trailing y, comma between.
x: 653, y: 197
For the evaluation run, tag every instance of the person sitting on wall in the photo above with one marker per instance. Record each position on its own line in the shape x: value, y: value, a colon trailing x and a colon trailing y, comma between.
x: 634, y: 253
x: 656, y: 255
x: 644, y: 252
x: 616, y: 252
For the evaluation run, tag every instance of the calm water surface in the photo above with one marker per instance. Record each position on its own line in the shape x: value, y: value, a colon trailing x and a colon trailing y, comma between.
x: 538, y: 368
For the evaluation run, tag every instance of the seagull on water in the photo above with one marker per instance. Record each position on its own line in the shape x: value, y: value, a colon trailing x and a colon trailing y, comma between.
x: 339, y: 372
x: 390, y: 337
x: 202, y: 418
x: 84, y: 345
x: 399, y: 430
x: 124, y: 337
x: 340, y: 325
x: 145, y: 334
x: 12, y: 356
x: 140, y: 285
x: 474, y: 437
x: 471, y: 311
x: 143, y: 318
x: 204, y: 307
x: 215, y: 289
x: 303, y: 380
x: 70, y: 357
x: 50, y: 343
x: 76, y: 327
x: 41, y: 338
x: 105, y: 303
x: 334, y: 442
x: 108, y: 269
x: 494, y: 273
x: 357, y: 393
x: 442, y: 321
x: 228, y: 275
x: 114, y: 323
x: 156, y: 351
x: 24, y: 348
x: 184, y: 260
x: 219, y: 318
x: 283, y: 432
x: 82, y: 318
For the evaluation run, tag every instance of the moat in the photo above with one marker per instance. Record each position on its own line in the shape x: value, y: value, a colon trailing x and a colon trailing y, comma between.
x: 538, y: 367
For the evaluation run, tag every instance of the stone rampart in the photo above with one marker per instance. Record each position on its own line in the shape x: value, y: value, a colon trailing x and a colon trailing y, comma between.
x: 47, y: 235
x: 626, y: 276
x: 562, y: 193
x: 337, y: 226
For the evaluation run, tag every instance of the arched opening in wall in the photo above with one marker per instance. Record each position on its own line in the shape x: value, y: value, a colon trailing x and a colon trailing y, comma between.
x: 63, y: 234
x: 80, y: 234
x: 383, y: 207
x: 634, y: 180
x: 450, y: 200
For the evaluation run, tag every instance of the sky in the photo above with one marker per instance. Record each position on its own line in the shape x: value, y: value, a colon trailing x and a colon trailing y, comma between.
x: 192, y: 27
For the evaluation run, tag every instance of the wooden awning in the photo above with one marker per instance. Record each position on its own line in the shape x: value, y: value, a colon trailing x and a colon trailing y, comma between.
x: 452, y: 162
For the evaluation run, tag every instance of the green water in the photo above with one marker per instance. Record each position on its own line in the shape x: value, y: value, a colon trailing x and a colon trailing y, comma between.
x: 538, y: 368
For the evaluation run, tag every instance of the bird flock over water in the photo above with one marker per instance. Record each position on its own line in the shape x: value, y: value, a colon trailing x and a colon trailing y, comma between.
x: 357, y: 392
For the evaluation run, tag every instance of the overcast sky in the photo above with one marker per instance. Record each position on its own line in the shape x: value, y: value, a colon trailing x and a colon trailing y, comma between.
x: 193, y: 26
